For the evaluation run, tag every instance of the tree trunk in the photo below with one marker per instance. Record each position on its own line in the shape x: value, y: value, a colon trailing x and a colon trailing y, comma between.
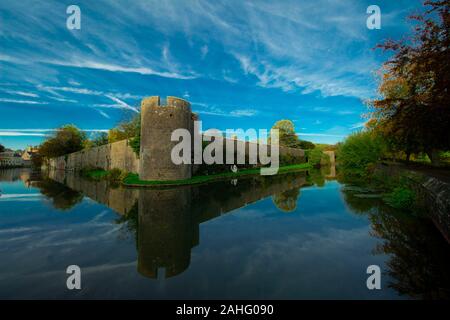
x: 434, y: 157
x: 408, y: 156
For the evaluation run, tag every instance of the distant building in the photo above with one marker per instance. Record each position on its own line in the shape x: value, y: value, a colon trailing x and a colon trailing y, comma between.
x: 27, y: 155
x: 11, y: 159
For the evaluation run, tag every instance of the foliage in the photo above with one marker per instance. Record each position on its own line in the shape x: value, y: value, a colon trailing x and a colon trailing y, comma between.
x: 37, y: 160
x: 287, y: 136
x: 303, y: 144
x: 61, y: 196
x: 126, y: 130
x: 135, y: 144
x: 67, y: 139
x: 414, y: 112
x: 359, y: 151
x: 316, y: 177
x: 100, y: 139
x: 2, y: 148
x: 287, y: 200
x: 316, y: 157
x: 113, y: 175
x: 401, y: 198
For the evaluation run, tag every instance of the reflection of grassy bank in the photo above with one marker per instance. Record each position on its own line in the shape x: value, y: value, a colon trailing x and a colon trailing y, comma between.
x: 396, y: 191
x: 133, y: 179
x: 114, y: 175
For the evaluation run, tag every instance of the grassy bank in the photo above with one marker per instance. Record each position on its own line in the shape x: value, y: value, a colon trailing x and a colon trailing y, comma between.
x: 133, y: 179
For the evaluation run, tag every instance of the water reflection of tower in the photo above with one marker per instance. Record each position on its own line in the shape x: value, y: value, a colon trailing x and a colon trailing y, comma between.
x: 166, y: 231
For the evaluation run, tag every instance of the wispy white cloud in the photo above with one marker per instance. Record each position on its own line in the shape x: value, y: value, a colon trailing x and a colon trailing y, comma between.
x: 64, y: 100
x: 22, y: 93
x: 204, y: 51
x: 119, y: 68
x: 358, y: 125
x: 307, y: 134
x: 22, y: 101
x: 122, y: 104
x: 346, y: 112
x: 220, y: 111
x: 37, y: 132
x: 19, y: 134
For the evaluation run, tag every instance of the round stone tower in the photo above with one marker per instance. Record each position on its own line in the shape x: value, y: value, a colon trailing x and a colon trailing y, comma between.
x: 157, y: 124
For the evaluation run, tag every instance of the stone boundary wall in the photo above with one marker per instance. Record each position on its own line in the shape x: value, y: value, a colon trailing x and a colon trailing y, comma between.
x: 117, y: 155
x: 121, y: 156
x: 433, y: 194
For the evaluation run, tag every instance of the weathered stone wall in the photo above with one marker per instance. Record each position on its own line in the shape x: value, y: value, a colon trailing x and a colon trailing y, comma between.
x: 154, y: 162
x: 111, y: 156
x: 433, y: 193
x: 298, y: 154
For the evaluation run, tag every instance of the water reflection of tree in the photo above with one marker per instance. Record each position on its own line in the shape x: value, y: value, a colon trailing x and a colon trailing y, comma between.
x: 62, y: 197
x: 287, y: 201
x: 316, y: 177
x: 419, y: 256
x: 129, y: 223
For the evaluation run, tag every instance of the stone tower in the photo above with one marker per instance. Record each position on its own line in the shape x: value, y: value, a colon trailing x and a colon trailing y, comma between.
x: 157, y: 124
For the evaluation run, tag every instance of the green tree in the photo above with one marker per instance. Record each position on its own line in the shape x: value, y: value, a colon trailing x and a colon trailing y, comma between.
x: 66, y: 139
x: 2, y: 148
x: 359, y: 151
x: 100, y: 139
x: 286, y: 134
x: 306, y: 144
x: 126, y: 129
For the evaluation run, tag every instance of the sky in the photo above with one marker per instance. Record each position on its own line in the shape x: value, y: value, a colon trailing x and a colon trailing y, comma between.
x: 241, y: 64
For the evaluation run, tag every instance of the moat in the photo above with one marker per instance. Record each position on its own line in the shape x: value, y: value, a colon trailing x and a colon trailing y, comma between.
x: 301, y: 235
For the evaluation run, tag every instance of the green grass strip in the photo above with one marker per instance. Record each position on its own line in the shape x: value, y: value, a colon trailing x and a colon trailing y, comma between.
x: 133, y: 179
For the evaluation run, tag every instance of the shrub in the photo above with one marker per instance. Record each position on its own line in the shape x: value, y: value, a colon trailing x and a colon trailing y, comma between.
x: 359, y: 151
x: 135, y: 144
x: 316, y: 157
x: 401, y: 198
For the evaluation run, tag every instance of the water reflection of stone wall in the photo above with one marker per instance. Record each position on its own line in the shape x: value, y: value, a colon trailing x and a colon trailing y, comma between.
x: 167, y: 223
x: 119, y: 199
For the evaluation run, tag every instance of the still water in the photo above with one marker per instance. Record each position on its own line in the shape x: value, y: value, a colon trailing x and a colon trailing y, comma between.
x: 295, y: 236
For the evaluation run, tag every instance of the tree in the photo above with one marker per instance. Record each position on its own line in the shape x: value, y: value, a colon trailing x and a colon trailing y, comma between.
x: 67, y: 139
x: 126, y: 130
x: 306, y: 144
x: 415, y: 106
x: 359, y: 151
x: 286, y: 134
x: 2, y: 148
x: 100, y: 139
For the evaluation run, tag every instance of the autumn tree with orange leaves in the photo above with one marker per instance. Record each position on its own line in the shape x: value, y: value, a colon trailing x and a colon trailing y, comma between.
x: 413, y: 113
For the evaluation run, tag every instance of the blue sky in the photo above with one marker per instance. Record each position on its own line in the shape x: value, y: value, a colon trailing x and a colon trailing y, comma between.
x: 242, y: 64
